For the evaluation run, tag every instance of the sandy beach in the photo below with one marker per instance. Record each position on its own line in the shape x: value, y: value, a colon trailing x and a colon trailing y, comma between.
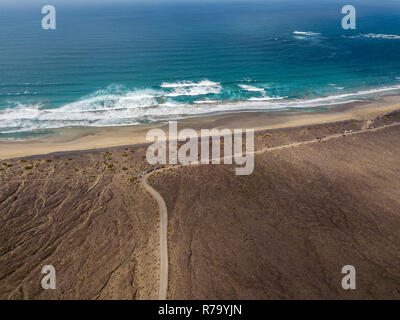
x: 78, y: 139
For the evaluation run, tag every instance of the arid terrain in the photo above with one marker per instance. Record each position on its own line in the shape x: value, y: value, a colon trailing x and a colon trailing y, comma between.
x: 86, y: 215
x: 284, y: 232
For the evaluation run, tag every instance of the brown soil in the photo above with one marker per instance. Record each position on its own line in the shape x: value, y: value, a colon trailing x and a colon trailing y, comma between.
x: 284, y: 232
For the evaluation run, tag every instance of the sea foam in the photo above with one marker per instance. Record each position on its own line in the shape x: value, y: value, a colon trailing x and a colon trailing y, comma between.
x: 179, y: 84
x: 189, y: 88
x: 376, y: 36
x: 306, y: 33
x: 250, y: 88
x: 129, y: 107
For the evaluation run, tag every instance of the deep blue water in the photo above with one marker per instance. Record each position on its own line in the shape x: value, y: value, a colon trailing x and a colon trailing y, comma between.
x: 135, y: 63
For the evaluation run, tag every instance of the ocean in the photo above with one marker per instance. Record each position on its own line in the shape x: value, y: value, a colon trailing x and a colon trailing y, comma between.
x: 123, y: 63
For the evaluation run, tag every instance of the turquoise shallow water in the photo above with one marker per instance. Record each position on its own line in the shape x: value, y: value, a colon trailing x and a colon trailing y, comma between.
x: 123, y: 64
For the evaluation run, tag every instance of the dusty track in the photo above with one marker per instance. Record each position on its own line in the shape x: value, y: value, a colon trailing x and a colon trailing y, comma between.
x: 162, y: 293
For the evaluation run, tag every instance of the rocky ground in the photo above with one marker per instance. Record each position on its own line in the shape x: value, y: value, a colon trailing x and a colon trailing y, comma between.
x: 283, y: 232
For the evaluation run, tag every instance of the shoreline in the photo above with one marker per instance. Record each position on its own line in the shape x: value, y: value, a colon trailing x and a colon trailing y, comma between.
x: 93, y: 138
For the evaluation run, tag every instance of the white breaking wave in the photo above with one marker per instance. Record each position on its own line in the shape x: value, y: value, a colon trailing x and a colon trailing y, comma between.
x: 99, y: 102
x: 189, y: 88
x: 376, y: 36
x: 340, y: 97
x: 306, y: 33
x: 203, y: 83
x: 382, y: 36
x: 194, y: 91
x: 134, y: 107
x: 250, y: 88
x: 97, y: 110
